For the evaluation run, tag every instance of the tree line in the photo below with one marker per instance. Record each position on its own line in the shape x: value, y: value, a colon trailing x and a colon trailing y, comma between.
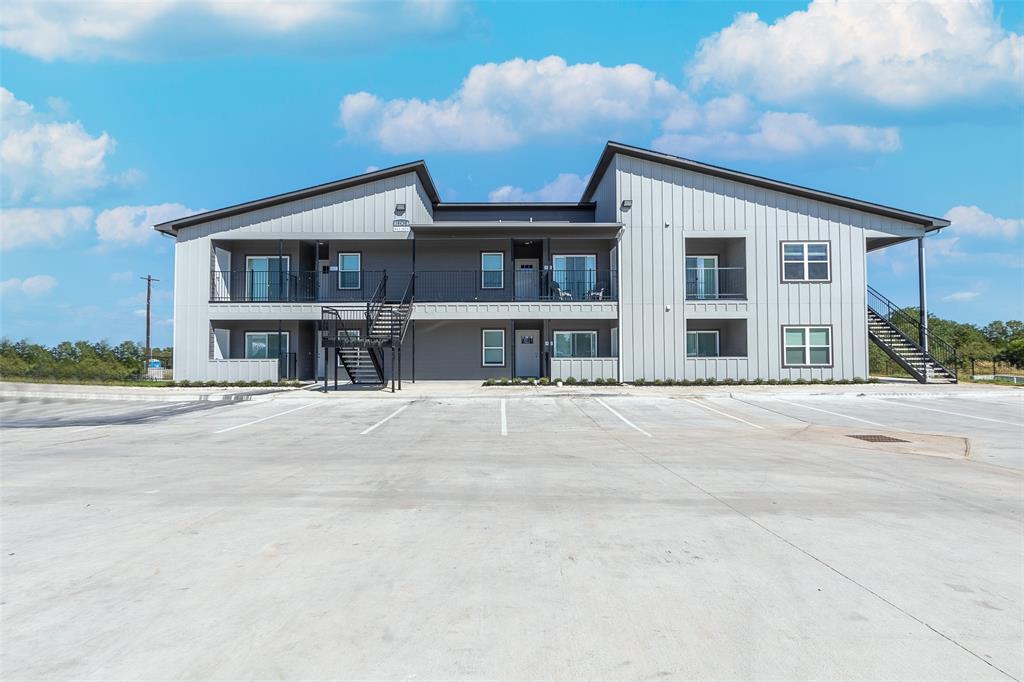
x: 75, y: 361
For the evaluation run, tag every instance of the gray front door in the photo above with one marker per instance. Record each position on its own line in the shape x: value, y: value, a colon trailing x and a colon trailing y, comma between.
x: 527, y: 353
x: 527, y: 279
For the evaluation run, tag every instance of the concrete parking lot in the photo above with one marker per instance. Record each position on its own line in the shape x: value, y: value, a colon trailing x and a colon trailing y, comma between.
x: 738, y: 534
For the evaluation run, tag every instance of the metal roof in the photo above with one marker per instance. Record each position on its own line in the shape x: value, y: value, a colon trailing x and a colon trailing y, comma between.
x: 613, y: 148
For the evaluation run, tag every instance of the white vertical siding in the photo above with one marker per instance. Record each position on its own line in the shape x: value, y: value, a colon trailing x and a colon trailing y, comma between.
x: 365, y: 209
x: 652, y: 306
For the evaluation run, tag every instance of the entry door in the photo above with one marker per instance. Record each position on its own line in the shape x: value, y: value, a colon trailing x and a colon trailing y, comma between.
x: 527, y: 277
x: 527, y: 353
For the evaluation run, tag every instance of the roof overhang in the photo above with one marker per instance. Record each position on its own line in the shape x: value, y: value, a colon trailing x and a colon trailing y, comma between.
x: 612, y: 148
x: 171, y: 227
x: 507, y: 229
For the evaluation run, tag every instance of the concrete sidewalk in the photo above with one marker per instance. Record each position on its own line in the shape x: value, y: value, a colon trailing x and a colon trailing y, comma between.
x: 474, y: 389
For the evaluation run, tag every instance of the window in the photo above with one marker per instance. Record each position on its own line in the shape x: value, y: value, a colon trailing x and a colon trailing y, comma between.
x: 702, y: 344
x: 806, y: 262
x: 350, y: 266
x: 263, y: 345
x: 492, y: 270
x: 494, y: 348
x: 575, y: 344
x: 266, y: 277
x: 807, y: 346
x: 575, y: 276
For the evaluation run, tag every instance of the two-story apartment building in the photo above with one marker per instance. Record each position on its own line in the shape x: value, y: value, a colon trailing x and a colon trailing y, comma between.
x: 664, y: 268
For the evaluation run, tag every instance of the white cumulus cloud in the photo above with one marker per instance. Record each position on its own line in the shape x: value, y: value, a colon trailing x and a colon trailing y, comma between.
x: 961, y: 296
x: 903, y: 54
x: 503, y: 105
x: 41, y: 226
x: 974, y: 221
x: 45, y: 160
x: 37, y: 285
x: 566, y: 187
x: 92, y: 29
x: 500, y: 105
x: 127, y: 225
x: 777, y: 134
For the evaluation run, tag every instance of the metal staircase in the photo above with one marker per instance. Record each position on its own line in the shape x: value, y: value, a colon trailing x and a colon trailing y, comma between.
x: 360, y: 337
x: 921, y: 354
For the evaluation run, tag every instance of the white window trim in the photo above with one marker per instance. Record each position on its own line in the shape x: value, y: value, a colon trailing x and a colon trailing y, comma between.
x: 805, y: 261
x: 359, y: 279
x: 483, y: 283
x: 718, y: 347
x: 484, y: 348
x: 570, y: 333
x: 287, y: 343
x: 807, y: 345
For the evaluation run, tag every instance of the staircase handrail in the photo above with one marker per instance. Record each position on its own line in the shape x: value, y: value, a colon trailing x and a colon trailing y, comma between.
x: 376, y: 302
x: 941, y: 351
x: 407, y: 302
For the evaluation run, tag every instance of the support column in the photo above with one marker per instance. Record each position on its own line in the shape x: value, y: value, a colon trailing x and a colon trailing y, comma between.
x: 413, y: 350
x: 922, y: 292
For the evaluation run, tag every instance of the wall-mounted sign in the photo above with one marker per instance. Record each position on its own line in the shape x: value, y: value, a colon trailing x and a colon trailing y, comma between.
x: 400, y: 225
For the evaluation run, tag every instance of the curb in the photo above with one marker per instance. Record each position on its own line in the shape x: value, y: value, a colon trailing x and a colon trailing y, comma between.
x: 179, y: 398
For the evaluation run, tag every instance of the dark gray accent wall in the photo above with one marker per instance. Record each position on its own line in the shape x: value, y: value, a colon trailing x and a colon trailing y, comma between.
x: 452, y: 349
x: 732, y: 335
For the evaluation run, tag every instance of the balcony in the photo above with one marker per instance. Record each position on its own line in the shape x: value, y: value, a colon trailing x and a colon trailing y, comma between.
x: 716, y: 284
x: 434, y: 286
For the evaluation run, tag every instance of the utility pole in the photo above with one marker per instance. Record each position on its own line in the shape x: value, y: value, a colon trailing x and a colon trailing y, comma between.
x: 149, y: 297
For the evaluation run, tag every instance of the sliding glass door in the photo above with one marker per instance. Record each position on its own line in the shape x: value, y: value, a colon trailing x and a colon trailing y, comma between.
x: 266, y: 278
x: 702, y: 277
x: 576, y: 276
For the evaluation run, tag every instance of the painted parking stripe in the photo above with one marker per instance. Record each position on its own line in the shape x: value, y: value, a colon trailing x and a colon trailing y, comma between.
x: 624, y: 420
x: 834, y: 414
x: 955, y: 414
x: 263, y: 419
x: 698, y: 403
x: 382, y: 421
x: 504, y: 419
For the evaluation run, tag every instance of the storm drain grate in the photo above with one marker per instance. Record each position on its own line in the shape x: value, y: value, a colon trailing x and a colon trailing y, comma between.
x: 875, y: 438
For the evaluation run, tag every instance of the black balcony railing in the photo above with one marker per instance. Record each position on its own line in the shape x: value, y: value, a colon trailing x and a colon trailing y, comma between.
x: 713, y: 284
x: 258, y: 286
x: 254, y: 286
x: 516, y: 285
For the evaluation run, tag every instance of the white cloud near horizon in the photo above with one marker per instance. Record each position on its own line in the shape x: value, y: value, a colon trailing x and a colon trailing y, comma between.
x: 37, y: 285
x: 94, y: 29
x: 133, y: 225
x: 49, y: 160
x: 41, y: 226
x: 900, y: 54
x: 565, y: 187
x: 500, y: 106
x: 974, y: 221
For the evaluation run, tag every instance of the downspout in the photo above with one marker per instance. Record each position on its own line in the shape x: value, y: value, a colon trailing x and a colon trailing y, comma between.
x: 923, y: 294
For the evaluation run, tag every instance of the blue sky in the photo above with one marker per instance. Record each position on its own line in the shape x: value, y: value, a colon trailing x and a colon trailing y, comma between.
x: 115, y: 116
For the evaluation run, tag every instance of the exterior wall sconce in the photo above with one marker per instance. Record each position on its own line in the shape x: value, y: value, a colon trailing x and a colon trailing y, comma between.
x: 399, y: 209
x: 627, y: 204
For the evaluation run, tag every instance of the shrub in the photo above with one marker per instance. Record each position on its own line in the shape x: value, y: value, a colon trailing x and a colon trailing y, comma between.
x: 639, y: 381
x: 489, y: 382
x: 657, y: 382
x: 728, y: 382
x: 544, y: 381
x: 570, y: 381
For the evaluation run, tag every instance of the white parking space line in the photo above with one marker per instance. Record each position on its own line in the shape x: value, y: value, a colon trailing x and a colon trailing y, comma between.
x: 382, y: 421
x: 263, y: 419
x: 504, y: 419
x: 724, y: 414
x: 834, y: 414
x: 904, y: 403
x: 624, y: 420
